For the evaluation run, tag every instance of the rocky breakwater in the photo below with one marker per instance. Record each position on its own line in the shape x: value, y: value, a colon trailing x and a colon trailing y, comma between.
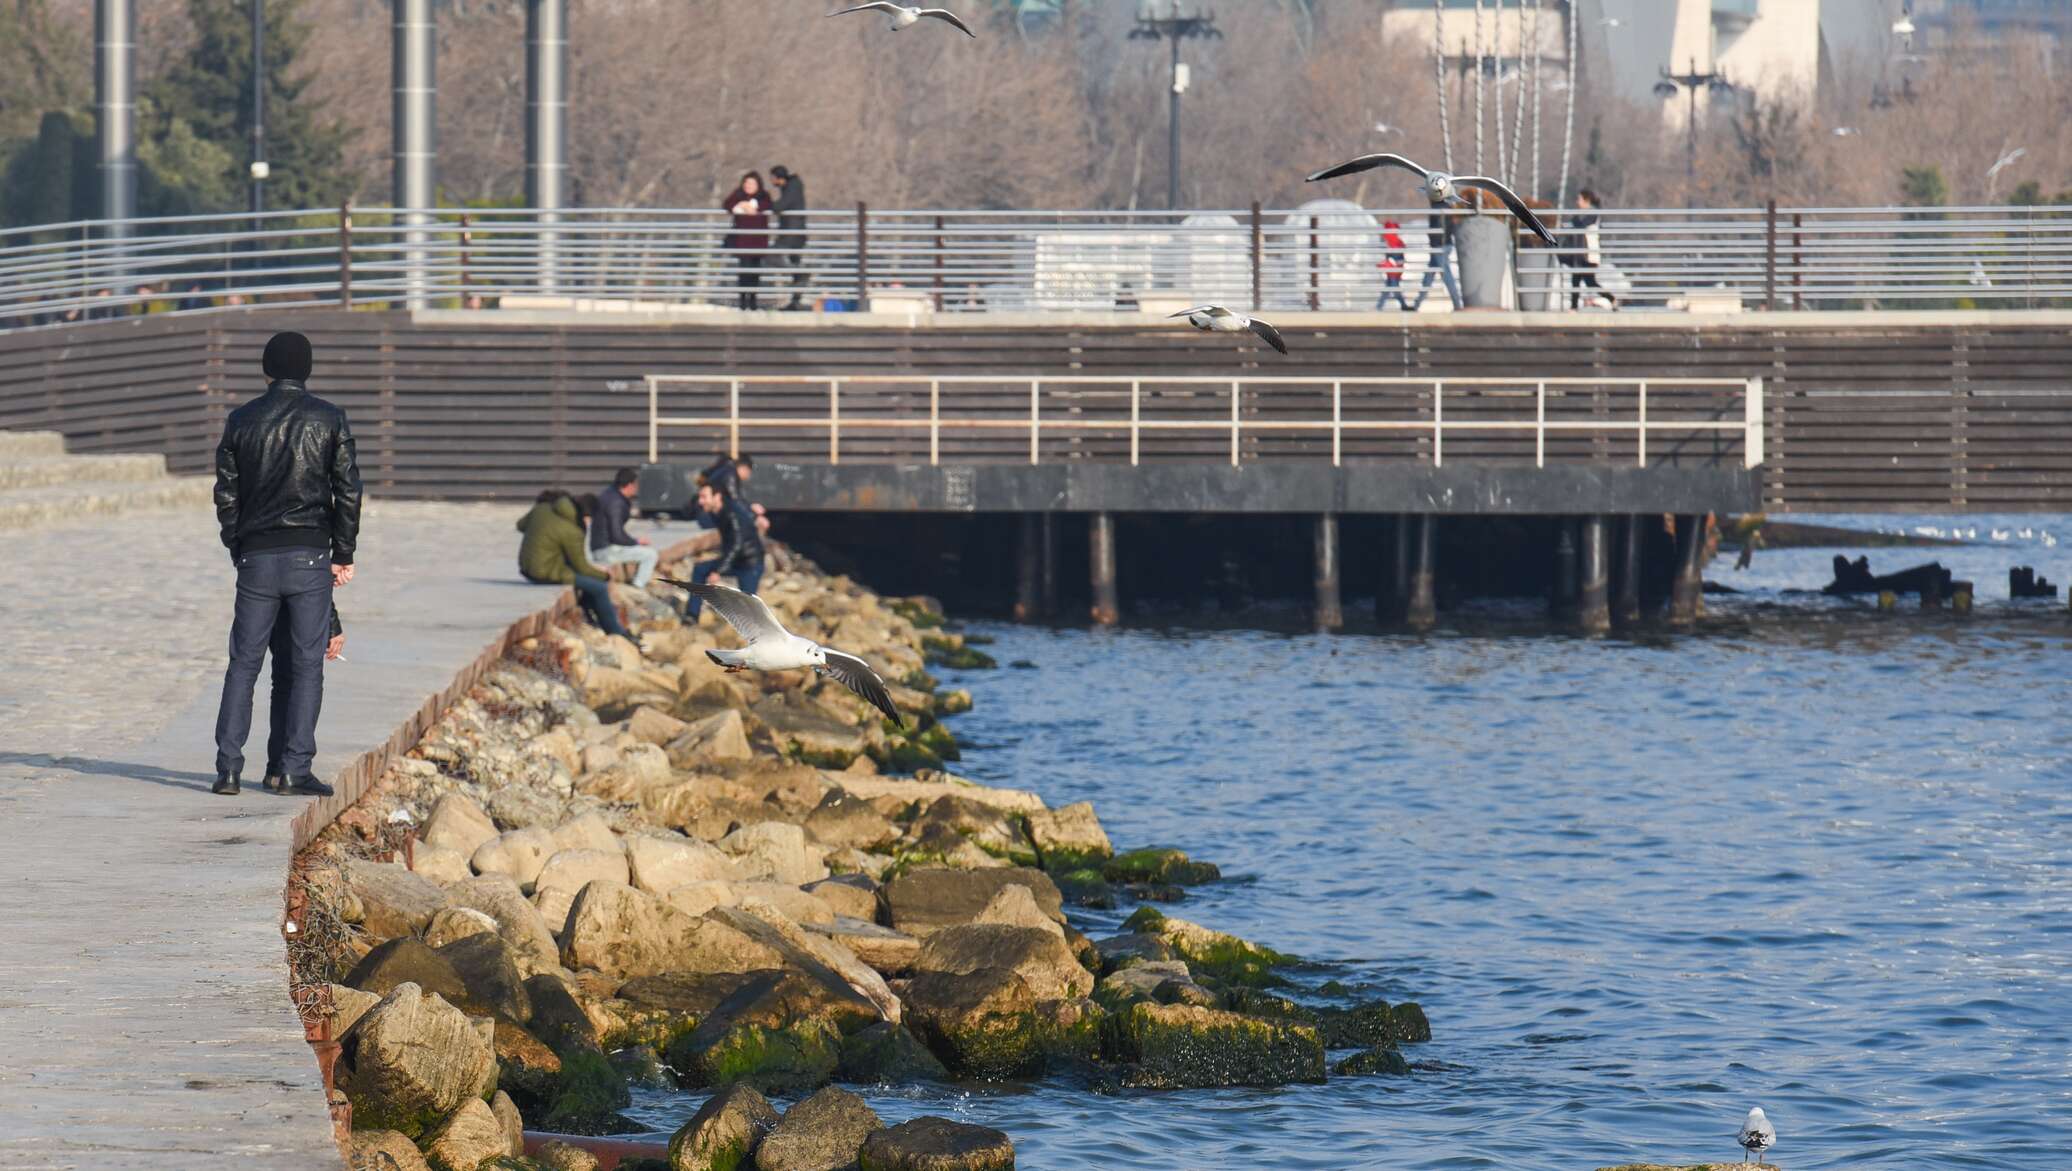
x: 613, y: 863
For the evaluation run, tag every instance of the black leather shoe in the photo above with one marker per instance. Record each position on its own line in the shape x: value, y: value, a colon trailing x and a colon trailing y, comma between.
x: 274, y: 782
x: 226, y: 785
x: 310, y: 786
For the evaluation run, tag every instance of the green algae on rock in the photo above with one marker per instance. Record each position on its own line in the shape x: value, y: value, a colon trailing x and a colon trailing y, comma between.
x: 1179, y: 1046
x: 1159, y: 865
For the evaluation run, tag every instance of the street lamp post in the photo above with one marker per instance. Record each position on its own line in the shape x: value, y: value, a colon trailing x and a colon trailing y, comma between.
x: 1690, y: 82
x: 259, y: 167
x: 1175, y: 26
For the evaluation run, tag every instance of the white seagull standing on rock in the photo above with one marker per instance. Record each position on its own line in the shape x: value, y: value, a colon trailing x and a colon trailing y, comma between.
x: 906, y: 17
x: 1757, y: 1135
x: 1442, y: 188
x: 1217, y: 319
x: 767, y: 646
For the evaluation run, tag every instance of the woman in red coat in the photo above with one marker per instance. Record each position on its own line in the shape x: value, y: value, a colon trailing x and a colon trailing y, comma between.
x: 750, y: 206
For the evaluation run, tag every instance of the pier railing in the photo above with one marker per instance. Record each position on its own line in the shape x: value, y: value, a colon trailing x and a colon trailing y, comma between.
x: 1331, y: 255
x: 938, y: 420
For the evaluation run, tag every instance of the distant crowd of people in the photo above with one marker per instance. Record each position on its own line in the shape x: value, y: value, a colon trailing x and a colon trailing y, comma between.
x: 576, y: 540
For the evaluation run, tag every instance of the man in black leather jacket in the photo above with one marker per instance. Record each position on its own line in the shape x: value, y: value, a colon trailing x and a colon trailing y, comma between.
x: 288, y: 502
x: 740, y: 553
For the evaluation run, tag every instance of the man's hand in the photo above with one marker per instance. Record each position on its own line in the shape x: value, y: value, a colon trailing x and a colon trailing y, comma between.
x: 334, y: 648
x: 762, y: 524
x: 341, y: 574
x: 712, y: 579
x: 757, y: 509
x: 640, y: 541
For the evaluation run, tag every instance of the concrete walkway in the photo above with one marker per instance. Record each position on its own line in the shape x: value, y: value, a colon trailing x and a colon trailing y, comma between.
x: 144, y: 1013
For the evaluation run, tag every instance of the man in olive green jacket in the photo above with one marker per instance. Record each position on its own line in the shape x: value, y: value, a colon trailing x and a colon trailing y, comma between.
x: 552, y: 554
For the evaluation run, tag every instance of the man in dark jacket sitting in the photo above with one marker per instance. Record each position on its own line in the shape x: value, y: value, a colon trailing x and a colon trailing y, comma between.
x: 552, y: 554
x: 288, y: 503
x: 610, y: 543
x: 740, y: 553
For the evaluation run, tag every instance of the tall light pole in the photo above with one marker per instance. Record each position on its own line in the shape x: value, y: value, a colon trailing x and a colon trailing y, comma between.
x: 1691, y: 81
x: 259, y: 167
x: 1175, y: 26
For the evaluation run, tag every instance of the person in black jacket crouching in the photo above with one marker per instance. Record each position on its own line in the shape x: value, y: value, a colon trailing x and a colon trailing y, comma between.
x: 288, y: 503
x: 740, y: 553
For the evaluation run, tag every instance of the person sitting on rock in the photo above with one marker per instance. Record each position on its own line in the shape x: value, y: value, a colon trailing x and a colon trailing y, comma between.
x: 740, y: 553
x: 552, y: 554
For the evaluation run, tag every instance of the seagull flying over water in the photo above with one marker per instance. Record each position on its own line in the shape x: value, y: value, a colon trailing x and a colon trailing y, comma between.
x: 904, y: 16
x: 1757, y: 1135
x: 1442, y: 188
x: 767, y: 646
x: 1217, y: 319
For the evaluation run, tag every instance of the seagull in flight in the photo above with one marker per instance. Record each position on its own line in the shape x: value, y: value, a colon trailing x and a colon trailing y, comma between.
x: 1217, y: 319
x: 904, y: 16
x: 1757, y: 1135
x: 767, y: 646
x: 1442, y: 188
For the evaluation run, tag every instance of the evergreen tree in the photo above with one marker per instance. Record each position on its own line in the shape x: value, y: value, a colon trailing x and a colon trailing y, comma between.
x: 211, y: 91
x: 53, y: 177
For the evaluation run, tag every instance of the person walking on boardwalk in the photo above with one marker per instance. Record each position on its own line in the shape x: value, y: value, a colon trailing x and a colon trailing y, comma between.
x: 288, y: 505
x: 740, y: 553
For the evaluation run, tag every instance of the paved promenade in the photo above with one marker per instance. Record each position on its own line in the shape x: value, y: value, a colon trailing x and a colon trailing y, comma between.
x: 144, y: 1015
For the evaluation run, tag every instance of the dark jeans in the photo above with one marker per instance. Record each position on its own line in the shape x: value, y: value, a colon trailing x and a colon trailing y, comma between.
x: 749, y: 261
x: 596, y: 598
x: 280, y: 652
x: 1442, y: 267
x: 290, y: 589
x: 747, y: 576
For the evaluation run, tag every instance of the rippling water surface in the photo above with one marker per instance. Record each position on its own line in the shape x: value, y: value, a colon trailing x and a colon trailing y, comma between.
x: 1810, y: 857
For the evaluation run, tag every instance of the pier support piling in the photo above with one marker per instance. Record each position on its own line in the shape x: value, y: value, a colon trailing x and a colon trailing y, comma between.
x: 1101, y: 559
x: 1688, y: 588
x: 1420, y: 605
x: 1394, y: 591
x: 1626, y: 598
x: 1561, y: 595
x: 1593, y: 596
x: 1028, y: 565
x: 1049, y: 558
x: 1330, y: 613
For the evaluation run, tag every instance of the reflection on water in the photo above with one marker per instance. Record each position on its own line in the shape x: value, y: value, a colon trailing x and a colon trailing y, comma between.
x: 1811, y: 857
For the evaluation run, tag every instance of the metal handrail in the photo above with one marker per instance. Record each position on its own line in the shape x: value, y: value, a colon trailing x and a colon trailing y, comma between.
x: 953, y: 261
x: 1748, y: 424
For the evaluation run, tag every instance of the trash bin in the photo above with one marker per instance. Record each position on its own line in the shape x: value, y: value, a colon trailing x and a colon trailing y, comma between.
x: 1483, y: 250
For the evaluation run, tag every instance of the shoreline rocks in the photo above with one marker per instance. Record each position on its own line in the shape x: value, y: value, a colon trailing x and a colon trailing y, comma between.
x: 629, y: 861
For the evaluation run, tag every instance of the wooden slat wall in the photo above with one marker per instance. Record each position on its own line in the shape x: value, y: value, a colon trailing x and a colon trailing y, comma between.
x: 1906, y: 418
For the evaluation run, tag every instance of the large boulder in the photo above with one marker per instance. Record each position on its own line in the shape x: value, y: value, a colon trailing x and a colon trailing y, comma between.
x: 841, y: 820
x: 776, y: 852
x: 1159, y: 865
x: 700, y: 898
x: 996, y: 831
x: 558, y: 1017
x: 566, y: 874
x: 929, y: 1143
x: 456, y: 923
x: 525, y: 1065
x: 470, y: 1138
x: 1184, y: 1046
x: 1070, y: 838
x: 1015, y: 906
x: 590, y: 831
x: 660, y: 864
x: 854, y: 895
x: 888, y: 952
x: 814, y: 954
x: 1212, y: 953
x: 724, y: 1133
x: 510, y: 1122
x: 626, y: 933
x: 1041, y: 958
x: 982, y: 1023
x: 382, y: 1150
x: 653, y: 726
x: 408, y: 961
x: 719, y: 738
x: 488, y: 969
x: 517, y: 920
x: 440, y: 865
x: 556, y: 1155
x: 887, y: 1054
x: 392, y: 900
x: 926, y: 786
x: 922, y: 902
x: 348, y: 1005
x: 412, y: 1061
x: 810, y: 732
x: 588, y: 1095
x: 517, y: 855
x: 1374, y: 1023
x: 781, y: 1030
x: 457, y: 824
x: 821, y: 1133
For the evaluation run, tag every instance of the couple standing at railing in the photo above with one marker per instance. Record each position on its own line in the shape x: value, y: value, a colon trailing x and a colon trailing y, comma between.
x: 748, y: 245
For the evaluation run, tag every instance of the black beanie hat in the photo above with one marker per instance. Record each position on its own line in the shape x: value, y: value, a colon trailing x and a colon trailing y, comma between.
x: 287, y: 356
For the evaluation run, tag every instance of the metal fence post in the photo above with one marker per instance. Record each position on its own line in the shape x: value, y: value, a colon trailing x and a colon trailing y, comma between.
x: 938, y: 264
x: 1314, y: 304
x: 345, y: 253
x: 863, y: 255
x: 467, y: 241
x: 1258, y: 242
x: 1770, y: 255
x: 1797, y: 262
